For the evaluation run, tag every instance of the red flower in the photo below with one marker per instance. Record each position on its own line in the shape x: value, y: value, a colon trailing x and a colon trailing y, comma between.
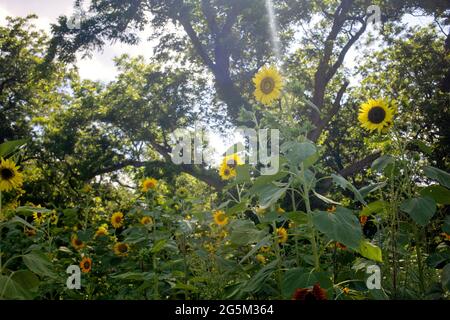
x: 308, y: 294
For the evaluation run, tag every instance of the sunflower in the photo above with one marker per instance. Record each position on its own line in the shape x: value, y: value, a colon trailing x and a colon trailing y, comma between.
x: 182, y: 192
x: 117, y: 220
x: 341, y: 246
x: 282, y: 235
x: 310, y: 294
x: 261, y: 259
x: 146, y: 220
x: 376, y: 115
x: 363, y: 220
x: 149, y: 184
x: 228, y: 167
x: 220, y: 218
x: 77, y: 243
x: 226, y: 173
x: 264, y: 249
x: 101, y: 231
x: 346, y: 290
x: 268, y: 85
x: 121, y: 249
x: 39, y: 217
x: 86, y: 265
x: 54, y: 218
x: 232, y: 161
x: 10, y: 177
x: 446, y: 236
x: 260, y: 210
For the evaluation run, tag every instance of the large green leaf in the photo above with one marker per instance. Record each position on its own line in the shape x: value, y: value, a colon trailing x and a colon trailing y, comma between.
x: 270, y: 194
x: 344, y: 184
x: 341, y: 226
x: 445, y: 278
x: 438, y: 193
x: 374, y: 207
x: 364, y: 191
x: 27, y: 279
x: 301, y: 278
x: 421, y: 210
x: 136, y: 276
x: 244, y: 232
x: 38, y: 263
x: 10, y: 289
x: 438, y: 175
x: 256, y: 283
x: 298, y: 152
x: 9, y: 147
x: 370, y: 251
x: 243, y: 173
x: 240, y: 207
x: 382, y: 163
x: 446, y: 225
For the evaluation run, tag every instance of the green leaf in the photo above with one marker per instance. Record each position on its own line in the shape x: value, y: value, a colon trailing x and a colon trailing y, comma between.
x: 269, y: 194
x: 365, y: 191
x: 38, y: 263
x: 421, y: 210
x: 243, y: 173
x: 17, y: 219
x: 438, y: 193
x: 8, y: 147
x: 10, y: 289
x: 344, y: 184
x: 158, y: 246
x: 255, y: 248
x: 136, y: 276
x: 240, y: 207
x: 424, y: 147
x: 263, y: 181
x: 293, y: 279
x: 301, y: 278
x: 27, y: 211
x: 244, y: 232
x: 298, y: 217
x: 374, y: 207
x: 382, y: 163
x: 370, y: 251
x: 325, y: 199
x: 134, y: 235
x: 446, y: 226
x: 256, y: 283
x: 341, y: 226
x: 438, y: 175
x: 298, y: 152
x: 445, y: 278
x: 27, y: 279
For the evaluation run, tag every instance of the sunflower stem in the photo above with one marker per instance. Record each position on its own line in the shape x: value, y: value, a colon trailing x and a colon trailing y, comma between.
x: 310, y: 220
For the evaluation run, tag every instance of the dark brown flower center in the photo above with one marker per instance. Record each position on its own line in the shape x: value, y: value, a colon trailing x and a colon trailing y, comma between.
x: 377, y: 115
x: 78, y: 242
x: 123, y: 248
x: 6, y: 173
x: 231, y: 163
x: 87, y: 264
x: 267, y: 85
x: 227, y: 172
